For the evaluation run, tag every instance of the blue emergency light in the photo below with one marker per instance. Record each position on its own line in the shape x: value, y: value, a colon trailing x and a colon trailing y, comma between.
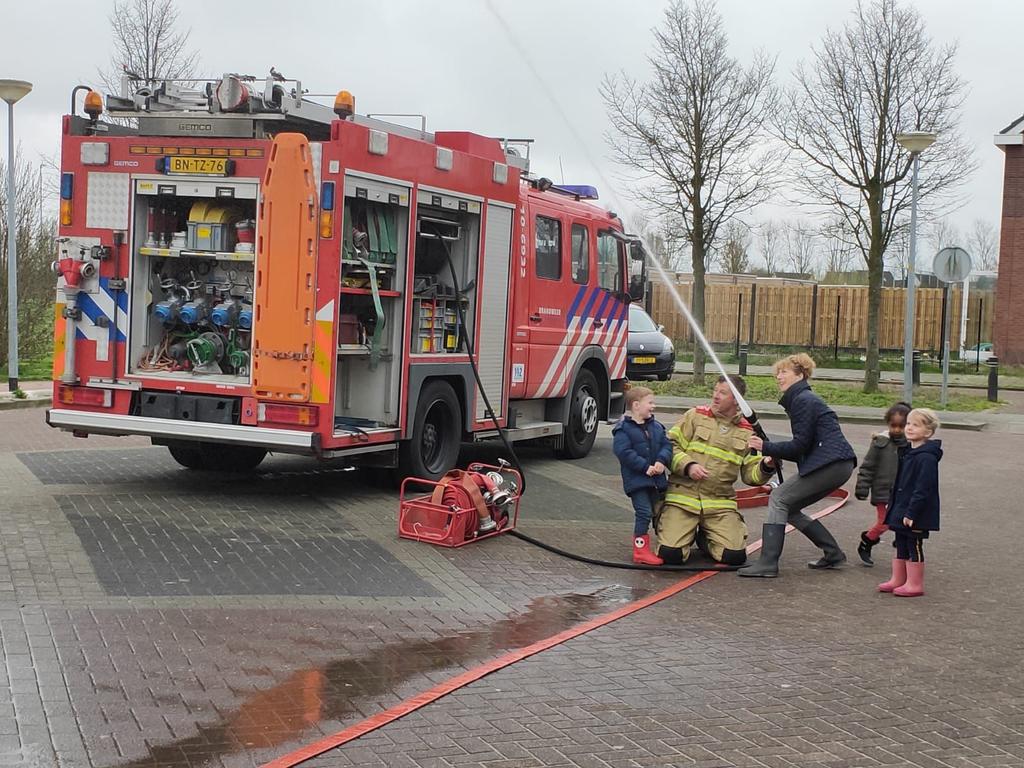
x: 582, y: 191
x: 327, y: 196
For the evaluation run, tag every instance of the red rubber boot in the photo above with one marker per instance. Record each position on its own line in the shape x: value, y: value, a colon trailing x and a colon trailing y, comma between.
x: 914, y: 587
x: 899, y: 576
x: 642, y: 551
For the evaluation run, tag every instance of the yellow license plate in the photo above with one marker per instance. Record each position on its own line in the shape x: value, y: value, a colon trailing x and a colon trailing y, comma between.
x: 198, y: 166
x: 644, y: 360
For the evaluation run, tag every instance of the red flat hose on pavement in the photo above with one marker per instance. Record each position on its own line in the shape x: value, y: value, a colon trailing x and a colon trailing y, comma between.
x: 440, y: 690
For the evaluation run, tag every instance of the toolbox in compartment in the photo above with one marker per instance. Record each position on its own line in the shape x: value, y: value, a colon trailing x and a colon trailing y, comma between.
x: 211, y: 226
x: 209, y: 409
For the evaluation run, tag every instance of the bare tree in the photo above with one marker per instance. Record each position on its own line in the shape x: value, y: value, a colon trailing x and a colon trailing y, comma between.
x: 801, y: 247
x: 878, y: 76
x: 897, y: 252
x: 983, y: 245
x: 35, y: 230
x: 733, y: 256
x: 694, y: 132
x: 148, y: 44
x: 772, y: 237
x: 942, y: 233
x: 838, y: 246
x: 661, y: 243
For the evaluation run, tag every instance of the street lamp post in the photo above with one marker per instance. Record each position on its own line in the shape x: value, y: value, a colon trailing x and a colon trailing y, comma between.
x: 914, y: 142
x: 12, y: 91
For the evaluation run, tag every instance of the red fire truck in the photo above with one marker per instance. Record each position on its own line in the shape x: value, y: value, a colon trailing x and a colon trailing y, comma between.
x: 244, y: 270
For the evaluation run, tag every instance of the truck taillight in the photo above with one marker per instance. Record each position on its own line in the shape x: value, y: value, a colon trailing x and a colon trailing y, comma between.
x: 85, y: 396
x: 275, y: 413
x: 67, y: 191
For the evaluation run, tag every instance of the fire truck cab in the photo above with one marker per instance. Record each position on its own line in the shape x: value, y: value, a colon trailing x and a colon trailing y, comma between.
x: 243, y: 270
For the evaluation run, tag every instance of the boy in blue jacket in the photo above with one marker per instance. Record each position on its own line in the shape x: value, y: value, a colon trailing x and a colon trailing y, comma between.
x: 914, y: 503
x: 644, y: 452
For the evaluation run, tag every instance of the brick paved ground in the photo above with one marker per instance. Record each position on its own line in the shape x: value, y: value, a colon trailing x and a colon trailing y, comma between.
x: 150, y: 616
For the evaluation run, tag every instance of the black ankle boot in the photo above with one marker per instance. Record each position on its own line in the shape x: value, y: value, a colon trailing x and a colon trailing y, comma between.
x: 864, y: 548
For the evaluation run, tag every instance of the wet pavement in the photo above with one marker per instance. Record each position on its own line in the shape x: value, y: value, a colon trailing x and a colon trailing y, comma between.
x: 151, y: 616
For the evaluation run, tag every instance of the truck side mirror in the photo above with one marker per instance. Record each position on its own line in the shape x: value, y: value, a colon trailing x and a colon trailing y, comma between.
x: 637, y: 285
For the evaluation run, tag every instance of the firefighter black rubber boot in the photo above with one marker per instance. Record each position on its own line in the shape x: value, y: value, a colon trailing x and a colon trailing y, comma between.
x: 864, y: 548
x: 818, y: 534
x: 773, y: 536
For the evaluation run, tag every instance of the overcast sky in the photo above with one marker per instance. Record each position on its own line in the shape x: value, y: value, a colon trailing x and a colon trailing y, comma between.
x: 453, y: 62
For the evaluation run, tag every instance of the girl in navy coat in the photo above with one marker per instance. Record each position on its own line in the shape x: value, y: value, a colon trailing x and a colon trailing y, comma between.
x: 644, y: 452
x: 914, y: 503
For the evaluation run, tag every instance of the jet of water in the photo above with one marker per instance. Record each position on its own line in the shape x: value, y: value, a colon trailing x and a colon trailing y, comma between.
x: 744, y: 406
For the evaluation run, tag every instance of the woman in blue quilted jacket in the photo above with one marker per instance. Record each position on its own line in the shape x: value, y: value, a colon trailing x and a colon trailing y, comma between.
x: 824, y: 461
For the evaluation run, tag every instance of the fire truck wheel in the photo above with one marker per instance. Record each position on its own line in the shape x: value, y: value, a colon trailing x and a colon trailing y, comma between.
x: 232, y: 458
x: 436, y: 434
x: 189, y: 457
x: 584, y: 407
x: 217, y: 458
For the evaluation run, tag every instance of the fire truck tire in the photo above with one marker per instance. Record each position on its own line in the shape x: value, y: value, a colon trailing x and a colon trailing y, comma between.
x: 436, y: 434
x: 584, y: 410
x: 232, y: 458
x: 217, y: 458
x: 189, y: 457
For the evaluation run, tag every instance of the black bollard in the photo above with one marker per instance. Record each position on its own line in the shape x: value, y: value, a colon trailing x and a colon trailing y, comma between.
x: 993, y: 379
x: 915, y: 368
x: 743, y: 360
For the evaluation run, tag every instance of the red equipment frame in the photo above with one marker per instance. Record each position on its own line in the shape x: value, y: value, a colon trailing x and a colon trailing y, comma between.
x: 420, y: 519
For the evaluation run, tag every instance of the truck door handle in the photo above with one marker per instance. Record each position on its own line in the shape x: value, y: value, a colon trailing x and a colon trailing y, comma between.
x: 599, y: 323
x: 535, y: 318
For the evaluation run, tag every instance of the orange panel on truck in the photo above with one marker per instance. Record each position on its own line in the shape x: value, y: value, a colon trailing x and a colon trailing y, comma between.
x: 286, y: 273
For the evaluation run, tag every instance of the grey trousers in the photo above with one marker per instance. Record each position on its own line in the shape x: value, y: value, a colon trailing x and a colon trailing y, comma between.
x: 786, y: 502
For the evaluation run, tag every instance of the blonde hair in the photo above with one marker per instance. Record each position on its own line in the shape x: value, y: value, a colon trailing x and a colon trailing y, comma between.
x: 635, y: 395
x: 801, y: 364
x: 928, y: 418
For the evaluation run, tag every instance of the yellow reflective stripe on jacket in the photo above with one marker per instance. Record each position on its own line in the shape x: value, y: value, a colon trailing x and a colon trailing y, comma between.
x: 692, y: 502
x: 754, y: 474
x: 718, y: 453
x: 679, y: 443
x: 678, y: 459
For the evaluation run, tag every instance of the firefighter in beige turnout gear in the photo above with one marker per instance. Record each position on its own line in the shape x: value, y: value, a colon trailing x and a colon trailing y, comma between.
x: 709, y: 451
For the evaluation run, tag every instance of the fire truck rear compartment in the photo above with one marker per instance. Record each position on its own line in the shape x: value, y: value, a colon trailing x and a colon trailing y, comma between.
x: 193, y: 249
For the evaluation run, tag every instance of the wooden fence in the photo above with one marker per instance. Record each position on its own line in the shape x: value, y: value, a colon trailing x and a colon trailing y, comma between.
x: 821, y: 315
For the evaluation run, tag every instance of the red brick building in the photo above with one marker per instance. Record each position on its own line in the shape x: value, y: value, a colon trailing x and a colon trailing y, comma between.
x: 1008, y: 334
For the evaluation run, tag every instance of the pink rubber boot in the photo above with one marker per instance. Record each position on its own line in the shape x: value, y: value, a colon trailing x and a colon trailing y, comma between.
x: 899, y: 576
x: 914, y: 586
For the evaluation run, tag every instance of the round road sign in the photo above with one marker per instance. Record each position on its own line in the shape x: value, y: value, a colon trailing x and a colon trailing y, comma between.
x: 951, y: 265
